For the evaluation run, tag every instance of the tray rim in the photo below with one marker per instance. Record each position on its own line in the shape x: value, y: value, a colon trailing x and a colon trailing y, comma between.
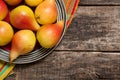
x: 52, y: 49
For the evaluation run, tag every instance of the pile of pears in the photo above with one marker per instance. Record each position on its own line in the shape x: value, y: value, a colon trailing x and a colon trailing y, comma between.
x: 23, y: 23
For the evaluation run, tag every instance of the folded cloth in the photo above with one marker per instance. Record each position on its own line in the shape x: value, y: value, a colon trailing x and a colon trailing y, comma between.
x: 71, y: 6
x: 5, y: 69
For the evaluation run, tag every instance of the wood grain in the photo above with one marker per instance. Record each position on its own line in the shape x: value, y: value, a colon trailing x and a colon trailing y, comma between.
x: 90, y: 49
x: 66, y: 65
x: 99, y: 2
x: 94, y: 29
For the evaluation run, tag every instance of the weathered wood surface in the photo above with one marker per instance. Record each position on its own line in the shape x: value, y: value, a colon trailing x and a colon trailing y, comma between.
x: 99, y: 2
x: 90, y: 49
x: 65, y: 65
x: 94, y: 28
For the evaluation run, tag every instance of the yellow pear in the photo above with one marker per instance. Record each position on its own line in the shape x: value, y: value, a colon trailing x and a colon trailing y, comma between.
x: 46, y: 12
x: 22, y: 17
x: 23, y: 42
x: 6, y: 33
x: 48, y: 35
x: 13, y: 2
x: 33, y: 3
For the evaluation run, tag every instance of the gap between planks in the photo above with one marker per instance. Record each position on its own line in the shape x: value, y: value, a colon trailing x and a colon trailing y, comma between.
x: 104, y: 52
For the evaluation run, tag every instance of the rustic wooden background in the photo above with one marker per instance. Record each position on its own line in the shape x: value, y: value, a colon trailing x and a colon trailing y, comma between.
x: 90, y: 49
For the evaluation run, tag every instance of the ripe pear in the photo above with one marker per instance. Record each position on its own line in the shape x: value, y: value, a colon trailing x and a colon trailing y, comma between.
x: 49, y: 35
x: 6, y: 33
x: 46, y: 12
x: 22, y: 17
x: 33, y: 3
x: 3, y: 10
x: 13, y: 2
x: 23, y: 42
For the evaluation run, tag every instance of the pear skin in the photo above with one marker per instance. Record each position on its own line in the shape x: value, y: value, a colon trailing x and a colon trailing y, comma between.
x: 3, y: 10
x: 13, y: 2
x: 33, y: 3
x: 46, y: 12
x: 23, y: 42
x: 6, y: 33
x: 22, y: 17
x: 49, y: 35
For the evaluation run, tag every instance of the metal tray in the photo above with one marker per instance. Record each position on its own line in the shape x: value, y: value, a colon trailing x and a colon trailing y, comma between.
x: 41, y: 52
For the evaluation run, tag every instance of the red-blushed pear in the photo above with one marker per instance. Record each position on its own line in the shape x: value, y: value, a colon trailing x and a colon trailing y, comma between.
x: 3, y: 10
x: 49, y: 35
x: 46, y: 12
x: 13, y: 2
x: 6, y: 33
x: 23, y: 42
x: 22, y: 17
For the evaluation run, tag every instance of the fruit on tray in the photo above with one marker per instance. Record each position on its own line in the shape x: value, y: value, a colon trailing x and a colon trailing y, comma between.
x: 13, y: 2
x: 48, y: 35
x: 24, y: 22
x: 46, y: 12
x: 33, y: 3
x: 22, y: 17
x: 3, y: 10
x: 6, y: 33
x: 23, y: 42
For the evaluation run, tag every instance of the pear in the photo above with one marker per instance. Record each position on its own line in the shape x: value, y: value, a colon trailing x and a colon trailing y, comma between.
x: 33, y: 3
x: 23, y: 42
x: 22, y: 17
x: 49, y: 35
x: 46, y: 12
x: 3, y: 10
x: 13, y: 2
x: 6, y: 33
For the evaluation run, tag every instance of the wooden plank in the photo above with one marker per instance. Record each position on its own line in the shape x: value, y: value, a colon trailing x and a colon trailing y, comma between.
x: 68, y: 65
x: 99, y: 2
x: 94, y: 29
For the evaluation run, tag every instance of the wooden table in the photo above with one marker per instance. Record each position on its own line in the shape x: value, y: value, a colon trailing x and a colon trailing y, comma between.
x: 90, y: 49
